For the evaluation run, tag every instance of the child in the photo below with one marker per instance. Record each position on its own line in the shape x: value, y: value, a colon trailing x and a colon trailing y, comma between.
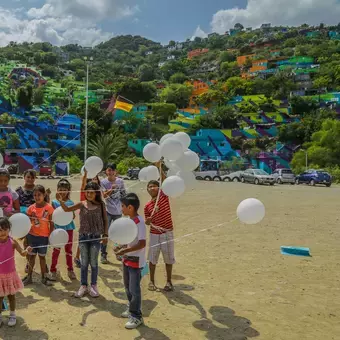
x: 133, y: 262
x: 42, y: 226
x: 114, y: 191
x: 161, y: 233
x: 93, y: 226
x: 9, y: 199
x: 10, y: 282
x: 85, y: 181
x: 63, y: 194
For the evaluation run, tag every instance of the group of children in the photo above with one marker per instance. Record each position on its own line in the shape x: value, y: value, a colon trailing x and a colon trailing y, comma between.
x: 101, y: 203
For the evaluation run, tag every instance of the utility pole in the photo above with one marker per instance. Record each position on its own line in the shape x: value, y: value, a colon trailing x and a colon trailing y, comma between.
x: 86, y: 105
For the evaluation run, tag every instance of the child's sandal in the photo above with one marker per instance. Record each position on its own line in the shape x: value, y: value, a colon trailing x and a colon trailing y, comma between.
x: 169, y: 287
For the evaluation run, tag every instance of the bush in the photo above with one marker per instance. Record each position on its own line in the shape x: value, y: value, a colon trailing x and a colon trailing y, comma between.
x: 75, y: 163
x: 131, y: 162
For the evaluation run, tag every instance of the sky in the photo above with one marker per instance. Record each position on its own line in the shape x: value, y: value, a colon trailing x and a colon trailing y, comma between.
x: 89, y: 22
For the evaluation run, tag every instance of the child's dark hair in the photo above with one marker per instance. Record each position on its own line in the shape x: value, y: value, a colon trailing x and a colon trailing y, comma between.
x: 95, y: 187
x: 91, y: 179
x: 131, y: 199
x: 30, y: 172
x: 153, y: 182
x: 4, y: 172
x: 111, y: 166
x: 65, y: 184
x: 40, y: 189
x: 5, y: 224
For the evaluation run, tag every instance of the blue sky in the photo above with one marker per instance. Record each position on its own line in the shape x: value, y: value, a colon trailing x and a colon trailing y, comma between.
x: 88, y: 22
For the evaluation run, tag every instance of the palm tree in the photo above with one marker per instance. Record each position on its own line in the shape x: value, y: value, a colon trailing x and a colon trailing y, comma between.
x: 108, y: 146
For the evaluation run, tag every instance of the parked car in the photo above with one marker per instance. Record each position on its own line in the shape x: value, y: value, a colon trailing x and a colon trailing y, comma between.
x: 45, y: 170
x: 257, y: 176
x: 284, y: 176
x: 232, y: 177
x: 133, y: 173
x: 313, y: 177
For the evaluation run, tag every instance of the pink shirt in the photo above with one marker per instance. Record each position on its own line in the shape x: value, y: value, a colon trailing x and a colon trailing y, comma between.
x: 7, y: 253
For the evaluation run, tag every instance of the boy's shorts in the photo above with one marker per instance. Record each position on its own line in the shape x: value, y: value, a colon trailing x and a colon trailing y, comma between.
x: 37, y: 241
x: 162, y: 243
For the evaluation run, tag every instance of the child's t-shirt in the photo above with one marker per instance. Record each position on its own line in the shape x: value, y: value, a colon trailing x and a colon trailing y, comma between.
x: 56, y: 204
x: 6, y: 200
x: 40, y: 224
x: 137, y: 259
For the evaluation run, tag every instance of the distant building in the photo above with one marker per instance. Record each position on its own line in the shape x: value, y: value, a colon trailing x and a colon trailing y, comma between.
x: 266, y: 26
x: 171, y: 57
x: 161, y: 64
x: 178, y: 46
x: 148, y: 53
x: 197, y: 52
x: 249, y: 29
x: 233, y: 32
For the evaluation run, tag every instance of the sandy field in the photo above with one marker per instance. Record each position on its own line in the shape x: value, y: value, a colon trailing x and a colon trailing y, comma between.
x: 231, y: 282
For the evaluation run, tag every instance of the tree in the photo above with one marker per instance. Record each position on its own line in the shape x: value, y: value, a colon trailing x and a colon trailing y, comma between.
x: 74, y: 161
x: 322, y: 82
x: 131, y: 162
x: 172, y: 67
x: 46, y: 117
x: 24, y: 97
x: 178, y: 78
x: 13, y: 140
x: 226, y: 56
x: 38, y: 96
x: 163, y: 112
x: 177, y: 94
x: 146, y: 72
x: 136, y: 91
x: 226, y: 116
x: 214, y: 96
x: 238, y: 26
x: 108, y: 146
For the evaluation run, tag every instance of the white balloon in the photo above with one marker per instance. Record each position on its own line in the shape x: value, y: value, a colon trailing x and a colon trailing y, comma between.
x: 20, y: 225
x: 90, y: 175
x: 123, y: 231
x: 189, y: 161
x: 94, y: 165
x: 251, y: 211
x: 82, y: 171
x: 152, y: 152
x: 173, y: 186
x: 152, y: 173
x: 171, y: 149
x: 143, y: 174
x: 168, y: 135
x: 189, y: 179
x: 184, y: 138
x: 1, y: 160
x: 58, y: 238
x: 61, y: 217
x: 171, y: 172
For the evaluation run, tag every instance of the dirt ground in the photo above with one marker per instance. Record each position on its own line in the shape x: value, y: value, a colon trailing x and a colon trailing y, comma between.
x: 231, y: 282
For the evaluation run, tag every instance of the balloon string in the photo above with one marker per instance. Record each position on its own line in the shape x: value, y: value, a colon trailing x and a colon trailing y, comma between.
x: 159, y: 189
x: 103, y: 238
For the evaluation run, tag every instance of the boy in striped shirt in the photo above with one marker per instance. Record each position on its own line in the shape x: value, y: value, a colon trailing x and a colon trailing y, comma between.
x: 161, y: 233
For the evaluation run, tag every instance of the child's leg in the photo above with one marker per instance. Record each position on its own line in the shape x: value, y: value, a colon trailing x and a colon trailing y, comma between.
x: 1, y: 306
x: 126, y: 279
x: 135, y: 291
x: 78, y: 253
x: 55, y: 256
x: 12, y: 303
x: 68, y: 250
x: 85, y: 255
x: 31, y: 261
x: 94, y: 254
x: 12, y: 317
x: 42, y: 260
x: 154, y: 252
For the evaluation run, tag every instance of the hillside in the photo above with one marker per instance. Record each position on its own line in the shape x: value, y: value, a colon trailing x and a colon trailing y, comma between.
x: 249, y: 92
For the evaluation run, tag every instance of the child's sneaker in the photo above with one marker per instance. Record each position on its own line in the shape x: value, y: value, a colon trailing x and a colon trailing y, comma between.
x: 71, y: 275
x: 134, y: 323
x: 103, y: 259
x: 26, y: 268
x: 81, y: 292
x: 12, y: 321
x: 53, y: 276
x: 125, y: 314
x: 93, y: 291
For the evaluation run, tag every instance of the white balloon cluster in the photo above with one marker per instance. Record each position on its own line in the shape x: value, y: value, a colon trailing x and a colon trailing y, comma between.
x: 181, y: 162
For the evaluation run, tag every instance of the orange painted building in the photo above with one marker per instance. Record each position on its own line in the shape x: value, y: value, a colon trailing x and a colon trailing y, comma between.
x: 242, y: 59
x: 259, y: 65
x: 198, y: 52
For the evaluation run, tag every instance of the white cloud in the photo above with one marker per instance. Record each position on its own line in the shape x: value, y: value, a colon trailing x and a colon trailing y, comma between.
x: 199, y: 33
x: 56, y: 30
x: 278, y: 12
x: 90, y: 9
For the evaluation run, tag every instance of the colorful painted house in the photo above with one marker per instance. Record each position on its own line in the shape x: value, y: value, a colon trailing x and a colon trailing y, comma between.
x: 197, y: 52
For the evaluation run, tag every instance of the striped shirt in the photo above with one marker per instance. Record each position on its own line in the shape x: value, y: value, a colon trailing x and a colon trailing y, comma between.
x: 162, y: 215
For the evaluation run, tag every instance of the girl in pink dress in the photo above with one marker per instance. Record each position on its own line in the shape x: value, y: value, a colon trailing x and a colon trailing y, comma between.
x: 10, y: 282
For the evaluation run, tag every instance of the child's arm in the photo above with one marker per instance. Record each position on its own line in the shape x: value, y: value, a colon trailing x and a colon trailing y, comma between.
x: 21, y: 251
x: 161, y: 172
x: 140, y: 245
x: 16, y: 206
x: 72, y: 207
x: 106, y: 225
x: 51, y: 225
x: 84, y: 180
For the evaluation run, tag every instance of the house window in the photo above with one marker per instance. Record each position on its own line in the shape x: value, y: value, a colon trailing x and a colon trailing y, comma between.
x: 222, y: 144
x: 72, y: 127
x: 208, y: 144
